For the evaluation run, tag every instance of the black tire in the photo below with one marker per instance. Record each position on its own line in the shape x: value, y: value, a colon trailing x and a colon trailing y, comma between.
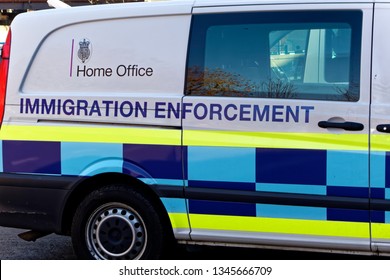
x: 116, y: 222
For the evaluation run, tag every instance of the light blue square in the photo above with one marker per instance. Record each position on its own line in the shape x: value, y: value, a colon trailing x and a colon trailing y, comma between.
x: 174, y: 205
x: 290, y: 212
x: 387, y: 217
x: 347, y: 168
x: 291, y: 188
x: 164, y: 182
x: 378, y: 169
x: 78, y: 157
x: 222, y: 164
x: 387, y: 193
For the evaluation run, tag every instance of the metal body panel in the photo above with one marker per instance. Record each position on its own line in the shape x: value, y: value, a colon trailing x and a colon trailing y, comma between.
x: 289, y: 241
x: 114, y: 90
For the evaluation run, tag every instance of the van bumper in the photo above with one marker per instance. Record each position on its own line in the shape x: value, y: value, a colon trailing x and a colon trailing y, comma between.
x: 33, y: 202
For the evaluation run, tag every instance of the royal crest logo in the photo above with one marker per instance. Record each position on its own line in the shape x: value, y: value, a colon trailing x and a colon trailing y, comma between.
x: 84, y: 52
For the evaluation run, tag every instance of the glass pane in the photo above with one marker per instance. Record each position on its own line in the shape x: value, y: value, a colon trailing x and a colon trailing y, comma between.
x: 271, y: 59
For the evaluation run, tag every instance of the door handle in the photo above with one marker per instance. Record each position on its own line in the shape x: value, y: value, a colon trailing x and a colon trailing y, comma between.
x: 350, y: 126
x: 383, y: 128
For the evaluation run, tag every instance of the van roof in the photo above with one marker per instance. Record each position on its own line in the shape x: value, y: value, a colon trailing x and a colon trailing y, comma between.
x: 168, y: 7
x: 209, y: 3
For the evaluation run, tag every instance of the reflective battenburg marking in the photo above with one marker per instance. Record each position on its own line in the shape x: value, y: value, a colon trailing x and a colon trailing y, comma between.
x: 32, y: 157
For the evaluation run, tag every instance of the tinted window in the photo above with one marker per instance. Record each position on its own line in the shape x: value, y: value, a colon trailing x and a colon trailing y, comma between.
x: 299, y: 55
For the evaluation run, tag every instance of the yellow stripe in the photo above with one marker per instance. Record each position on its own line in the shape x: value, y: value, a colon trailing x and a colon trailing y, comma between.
x: 380, y: 231
x: 191, y: 137
x: 357, y: 142
x: 91, y: 134
x: 179, y: 220
x: 380, y: 142
x: 287, y: 226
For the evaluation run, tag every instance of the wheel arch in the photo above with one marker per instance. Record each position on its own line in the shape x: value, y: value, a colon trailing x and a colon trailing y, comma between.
x: 90, y: 184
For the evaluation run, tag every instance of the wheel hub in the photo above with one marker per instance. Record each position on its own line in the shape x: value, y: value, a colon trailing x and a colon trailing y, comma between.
x: 116, y: 233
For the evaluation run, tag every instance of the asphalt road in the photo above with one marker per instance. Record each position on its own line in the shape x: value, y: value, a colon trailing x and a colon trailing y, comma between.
x: 54, y: 247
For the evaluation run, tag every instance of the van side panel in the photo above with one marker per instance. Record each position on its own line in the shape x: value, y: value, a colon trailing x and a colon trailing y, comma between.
x: 110, y: 56
x: 101, y: 94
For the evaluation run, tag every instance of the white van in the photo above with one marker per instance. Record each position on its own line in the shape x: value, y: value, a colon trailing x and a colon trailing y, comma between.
x: 258, y: 123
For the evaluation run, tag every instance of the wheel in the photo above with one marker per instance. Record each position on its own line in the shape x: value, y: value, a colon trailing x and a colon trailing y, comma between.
x: 116, y: 222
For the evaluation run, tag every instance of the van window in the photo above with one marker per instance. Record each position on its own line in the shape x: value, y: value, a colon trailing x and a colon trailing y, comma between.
x: 297, y: 55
